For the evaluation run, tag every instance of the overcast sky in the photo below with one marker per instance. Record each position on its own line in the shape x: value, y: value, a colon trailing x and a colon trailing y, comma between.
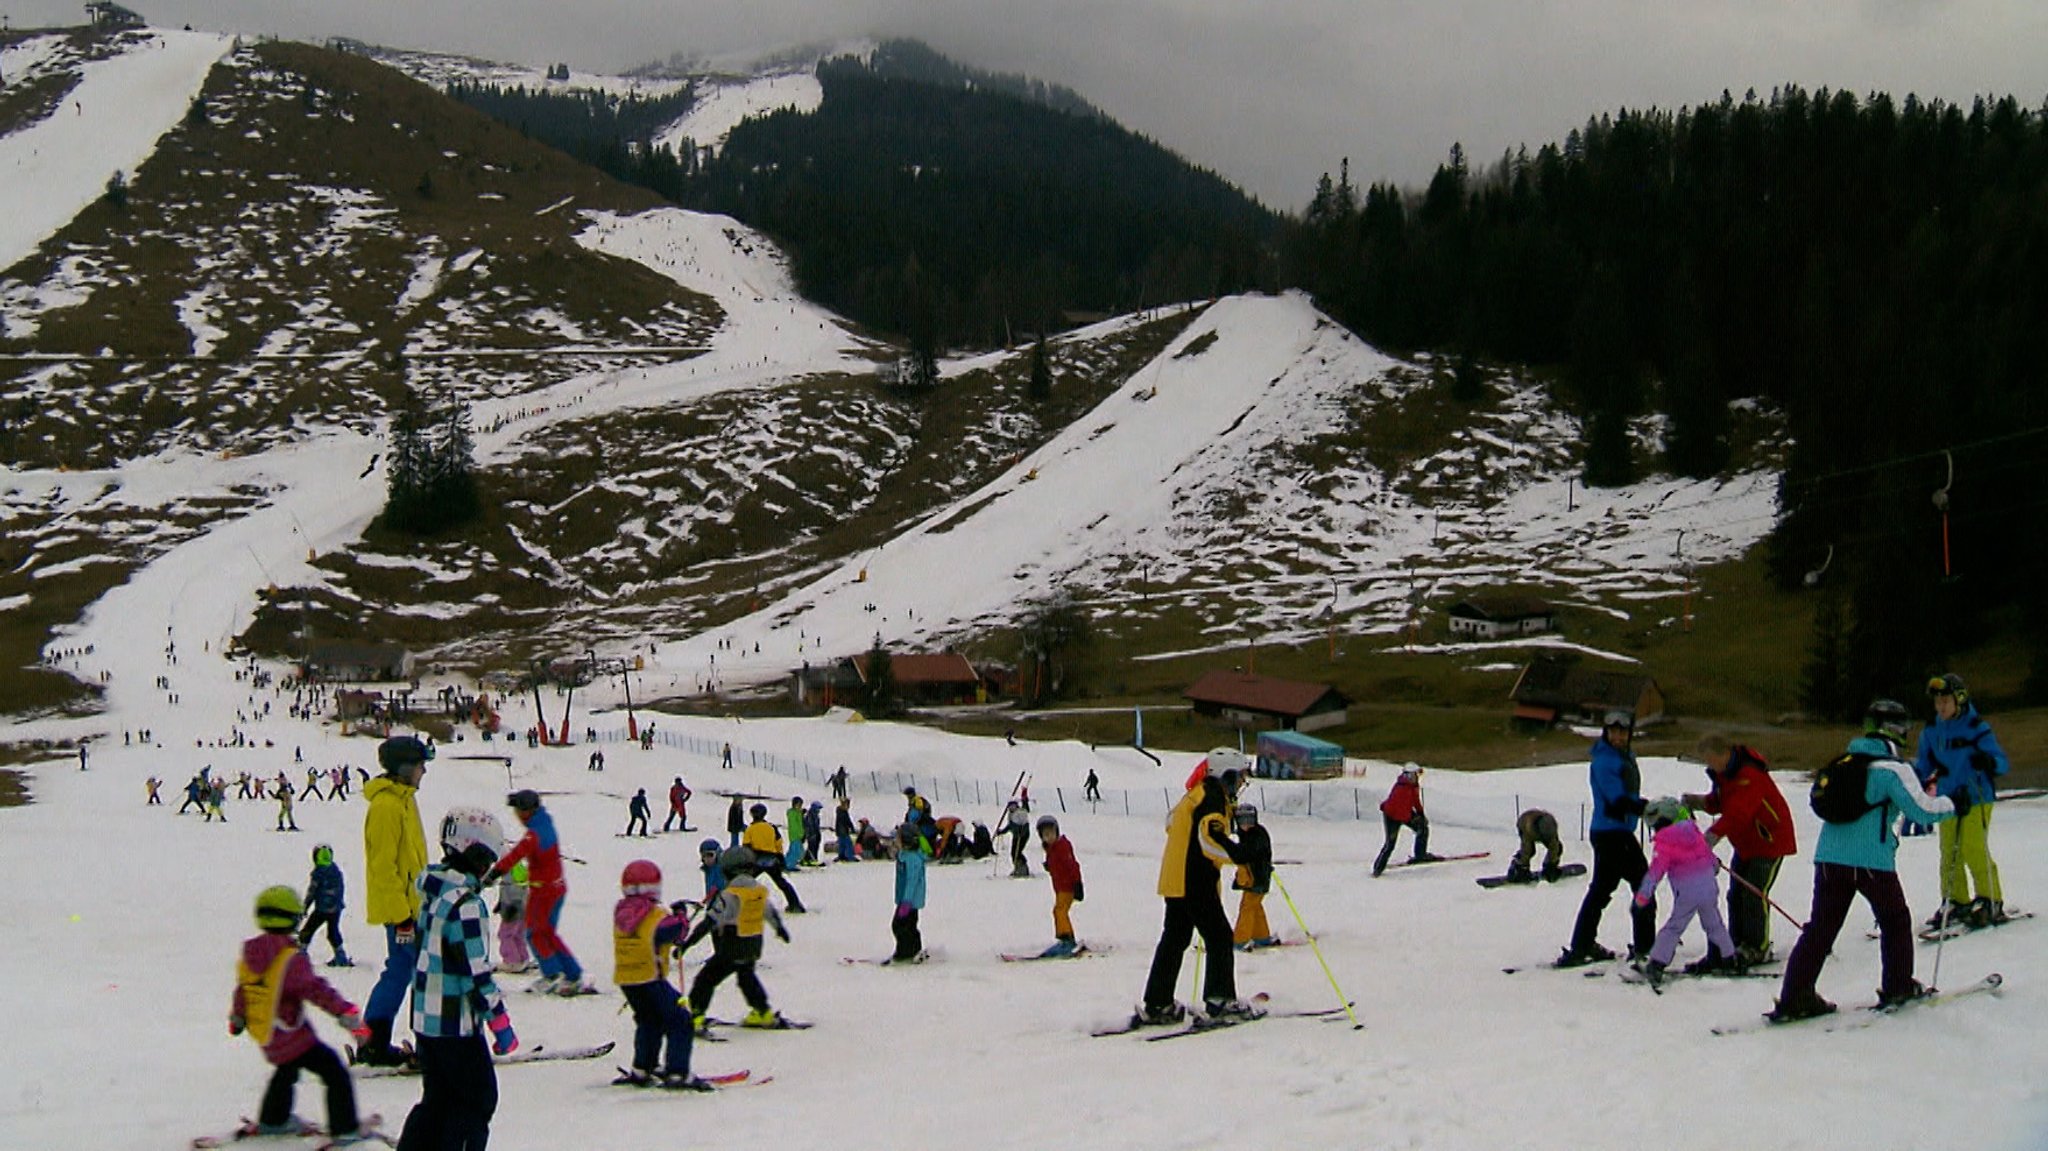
x: 1268, y: 92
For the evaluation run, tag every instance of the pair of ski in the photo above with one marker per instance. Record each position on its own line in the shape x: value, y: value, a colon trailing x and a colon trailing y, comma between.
x: 366, y: 1132
x: 740, y: 1078
x: 782, y: 1023
x: 1082, y: 952
x: 1957, y: 928
x: 1853, y: 1021
x: 536, y: 1054
x: 1629, y: 974
x: 1198, y: 1024
x: 863, y: 961
x: 1437, y: 859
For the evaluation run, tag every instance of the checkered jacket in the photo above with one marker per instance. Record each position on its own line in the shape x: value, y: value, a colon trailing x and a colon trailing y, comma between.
x: 452, y: 990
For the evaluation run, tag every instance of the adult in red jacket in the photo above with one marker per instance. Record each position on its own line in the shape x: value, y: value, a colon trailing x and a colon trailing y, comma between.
x: 541, y: 850
x: 678, y: 806
x: 1757, y: 824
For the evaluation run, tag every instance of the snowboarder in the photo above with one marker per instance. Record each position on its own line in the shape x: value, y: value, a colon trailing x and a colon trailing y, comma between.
x: 1536, y: 827
x: 541, y: 849
x: 1682, y: 853
x: 454, y: 998
x: 1403, y: 808
x: 596, y: 761
x: 735, y: 821
x: 1065, y: 872
x: 1017, y: 825
x: 1959, y: 756
x: 1757, y: 823
x: 1859, y: 856
x: 735, y: 920
x: 637, y: 811
x: 1197, y: 843
x: 273, y: 983
x: 1253, y: 880
x: 513, y: 956
x: 1091, y: 789
x: 642, y: 932
x: 324, y: 897
x: 910, y: 889
x: 764, y: 839
x: 1617, y: 857
x: 394, y: 855
x: 678, y: 806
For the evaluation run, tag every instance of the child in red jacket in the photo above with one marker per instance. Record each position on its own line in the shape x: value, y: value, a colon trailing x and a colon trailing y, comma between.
x: 273, y: 983
x: 1065, y: 871
x: 1403, y: 808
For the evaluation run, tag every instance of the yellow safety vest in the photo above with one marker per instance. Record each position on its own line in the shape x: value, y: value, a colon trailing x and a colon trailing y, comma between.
x: 635, y: 959
x: 753, y: 916
x: 261, y: 993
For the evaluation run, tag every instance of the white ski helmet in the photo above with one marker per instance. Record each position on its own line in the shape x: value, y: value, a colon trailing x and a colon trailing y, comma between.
x: 464, y: 828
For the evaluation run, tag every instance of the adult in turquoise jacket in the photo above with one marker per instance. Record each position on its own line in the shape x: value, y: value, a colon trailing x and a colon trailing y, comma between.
x: 1960, y: 756
x: 909, y: 893
x: 1860, y: 858
x: 1618, y: 860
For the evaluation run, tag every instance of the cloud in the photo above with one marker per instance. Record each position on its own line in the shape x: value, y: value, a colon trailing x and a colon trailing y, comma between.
x: 1268, y: 92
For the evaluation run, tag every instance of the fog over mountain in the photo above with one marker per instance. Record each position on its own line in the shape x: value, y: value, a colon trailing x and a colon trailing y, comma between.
x: 1269, y: 94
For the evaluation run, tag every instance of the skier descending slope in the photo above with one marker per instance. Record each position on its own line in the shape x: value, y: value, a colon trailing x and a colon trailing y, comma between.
x: 1190, y: 879
x: 1858, y: 855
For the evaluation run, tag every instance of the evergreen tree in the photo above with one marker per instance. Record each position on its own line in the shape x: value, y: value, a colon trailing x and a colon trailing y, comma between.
x: 1824, y: 689
x: 1040, y: 388
x: 880, y: 699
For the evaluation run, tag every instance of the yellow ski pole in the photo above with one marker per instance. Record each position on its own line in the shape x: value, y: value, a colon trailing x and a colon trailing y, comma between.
x: 1317, y: 948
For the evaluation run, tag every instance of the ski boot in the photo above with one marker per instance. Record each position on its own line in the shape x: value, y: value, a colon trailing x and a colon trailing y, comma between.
x: 1161, y: 1015
x: 1886, y: 1001
x: 1425, y: 857
x: 1231, y: 1011
x: 634, y: 1077
x: 1953, y: 912
x: 545, y: 985
x: 1984, y: 912
x: 1061, y: 948
x: 1520, y: 873
x: 1653, y: 973
x: 570, y: 988
x: 341, y: 959
x: 764, y: 1018
x: 1794, y: 1008
x: 1593, y: 953
x: 1713, y: 963
x: 681, y: 1081
x: 1552, y: 873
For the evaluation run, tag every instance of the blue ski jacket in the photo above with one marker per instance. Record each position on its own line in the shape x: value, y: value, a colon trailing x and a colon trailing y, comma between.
x: 1617, y: 788
x: 1872, y: 842
x: 1961, y: 754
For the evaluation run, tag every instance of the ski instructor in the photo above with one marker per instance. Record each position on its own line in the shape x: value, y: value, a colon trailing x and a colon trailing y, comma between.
x: 1198, y: 843
x: 394, y: 854
x: 1617, y: 858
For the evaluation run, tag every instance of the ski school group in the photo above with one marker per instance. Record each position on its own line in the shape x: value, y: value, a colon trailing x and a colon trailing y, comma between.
x: 435, y: 918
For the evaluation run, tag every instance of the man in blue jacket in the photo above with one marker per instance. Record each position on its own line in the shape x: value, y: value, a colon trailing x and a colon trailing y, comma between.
x: 1859, y: 857
x: 1960, y: 756
x: 1617, y: 856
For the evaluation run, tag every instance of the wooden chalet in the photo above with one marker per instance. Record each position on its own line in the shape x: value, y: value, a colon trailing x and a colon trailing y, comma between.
x: 1239, y: 699
x: 1553, y: 690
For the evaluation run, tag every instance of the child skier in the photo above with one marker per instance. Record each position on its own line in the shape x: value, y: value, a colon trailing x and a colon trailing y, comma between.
x: 454, y: 998
x: 793, y: 819
x: 273, y: 983
x: 909, y: 896
x: 1403, y: 808
x: 814, y: 833
x: 1017, y: 825
x: 734, y: 920
x: 541, y: 849
x: 1253, y: 880
x: 1680, y: 851
x: 642, y: 933
x: 513, y: 957
x: 324, y: 896
x: 764, y: 839
x: 1065, y: 871
x: 842, y: 829
x: 284, y: 805
x: 708, y: 853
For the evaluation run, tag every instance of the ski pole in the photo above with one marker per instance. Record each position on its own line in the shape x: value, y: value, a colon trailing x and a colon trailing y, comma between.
x: 1317, y: 948
x: 1955, y: 851
x: 1759, y: 892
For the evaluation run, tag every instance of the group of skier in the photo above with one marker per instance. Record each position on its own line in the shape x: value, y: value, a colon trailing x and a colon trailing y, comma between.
x: 1862, y: 797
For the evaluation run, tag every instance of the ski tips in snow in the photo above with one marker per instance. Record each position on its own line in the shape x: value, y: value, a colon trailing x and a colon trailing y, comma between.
x: 1870, y: 1013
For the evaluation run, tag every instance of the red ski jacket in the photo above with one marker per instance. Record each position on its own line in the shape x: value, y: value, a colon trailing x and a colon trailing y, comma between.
x: 1753, y: 816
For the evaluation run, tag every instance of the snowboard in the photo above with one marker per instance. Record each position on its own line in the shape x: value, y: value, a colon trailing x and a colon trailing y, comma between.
x: 1564, y: 872
x: 536, y: 1054
x: 1871, y: 1013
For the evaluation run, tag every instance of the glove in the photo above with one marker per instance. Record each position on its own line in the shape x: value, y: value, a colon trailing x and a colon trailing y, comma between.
x: 352, y: 1023
x: 1079, y: 895
x: 1982, y: 761
x: 236, y: 1025
x: 1713, y: 839
x: 406, y: 934
x: 1962, y: 801
x: 1642, y: 900
x: 503, y: 1040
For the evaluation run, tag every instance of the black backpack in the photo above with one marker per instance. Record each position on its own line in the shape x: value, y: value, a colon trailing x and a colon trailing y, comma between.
x: 1837, y: 795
